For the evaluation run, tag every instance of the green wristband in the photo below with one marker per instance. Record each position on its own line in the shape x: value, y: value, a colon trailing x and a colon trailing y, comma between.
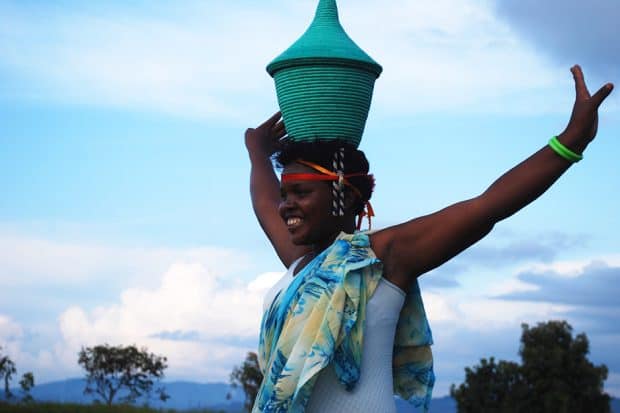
x: 563, y: 151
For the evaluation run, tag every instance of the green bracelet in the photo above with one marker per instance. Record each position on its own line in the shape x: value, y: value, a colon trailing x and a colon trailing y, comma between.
x: 563, y: 151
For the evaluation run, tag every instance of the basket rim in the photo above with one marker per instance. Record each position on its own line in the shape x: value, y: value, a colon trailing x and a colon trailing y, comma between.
x: 277, y: 66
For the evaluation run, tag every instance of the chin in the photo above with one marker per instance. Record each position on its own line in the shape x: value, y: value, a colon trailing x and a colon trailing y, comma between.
x: 297, y: 240
x: 300, y: 237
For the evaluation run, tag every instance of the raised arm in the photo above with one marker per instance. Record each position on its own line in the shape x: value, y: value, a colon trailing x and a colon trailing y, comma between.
x: 261, y: 143
x: 417, y: 246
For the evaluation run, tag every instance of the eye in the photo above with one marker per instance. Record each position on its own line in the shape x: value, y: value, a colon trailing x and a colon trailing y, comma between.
x: 296, y: 191
x: 302, y: 192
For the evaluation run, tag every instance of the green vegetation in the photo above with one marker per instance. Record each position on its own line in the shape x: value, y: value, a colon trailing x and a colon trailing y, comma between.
x: 84, y: 408
x: 555, y: 375
x: 249, y: 378
x: 111, y: 370
x: 7, y: 370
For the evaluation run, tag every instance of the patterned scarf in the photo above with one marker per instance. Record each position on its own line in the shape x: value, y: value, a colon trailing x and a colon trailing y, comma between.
x: 319, y: 319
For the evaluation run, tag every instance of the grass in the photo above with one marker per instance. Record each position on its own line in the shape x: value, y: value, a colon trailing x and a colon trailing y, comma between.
x: 84, y: 408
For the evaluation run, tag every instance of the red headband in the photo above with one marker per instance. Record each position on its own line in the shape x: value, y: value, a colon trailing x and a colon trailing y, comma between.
x: 327, y: 175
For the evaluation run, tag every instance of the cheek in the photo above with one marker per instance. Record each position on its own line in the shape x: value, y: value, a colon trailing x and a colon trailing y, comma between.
x: 319, y: 207
x: 281, y: 208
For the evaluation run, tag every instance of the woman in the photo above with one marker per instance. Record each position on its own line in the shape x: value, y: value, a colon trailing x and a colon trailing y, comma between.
x: 297, y: 217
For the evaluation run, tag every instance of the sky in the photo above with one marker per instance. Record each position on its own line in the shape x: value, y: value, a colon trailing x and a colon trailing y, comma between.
x: 125, y: 215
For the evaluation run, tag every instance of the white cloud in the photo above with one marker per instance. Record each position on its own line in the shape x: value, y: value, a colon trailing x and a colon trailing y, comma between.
x: 208, y: 60
x: 11, y: 339
x: 509, y: 285
x: 439, y: 308
x: 265, y: 281
x: 26, y: 260
x: 572, y: 268
x: 449, y: 54
x: 190, y: 306
x: 156, y: 290
x: 188, y: 298
x: 482, y: 305
x: 9, y: 329
x: 475, y: 313
x: 198, y: 63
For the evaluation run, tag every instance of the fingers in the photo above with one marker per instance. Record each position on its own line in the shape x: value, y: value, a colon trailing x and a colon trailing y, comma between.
x: 272, y: 120
x: 601, y: 94
x: 581, y: 90
x: 278, y: 130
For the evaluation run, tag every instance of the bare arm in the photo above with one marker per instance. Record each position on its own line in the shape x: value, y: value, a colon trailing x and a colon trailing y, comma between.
x: 417, y: 246
x: 261, y: 143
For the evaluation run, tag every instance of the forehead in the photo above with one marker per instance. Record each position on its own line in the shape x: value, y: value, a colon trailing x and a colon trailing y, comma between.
x: 297, y: 168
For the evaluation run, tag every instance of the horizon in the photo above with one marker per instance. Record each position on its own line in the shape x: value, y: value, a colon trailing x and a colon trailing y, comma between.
x: 126, y: 216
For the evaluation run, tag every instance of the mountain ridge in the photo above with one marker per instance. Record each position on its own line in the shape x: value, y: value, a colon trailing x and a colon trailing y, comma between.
x: 188, y: 395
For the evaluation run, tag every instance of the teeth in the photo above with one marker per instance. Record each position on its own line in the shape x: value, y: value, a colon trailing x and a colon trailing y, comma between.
x: 293, y: 221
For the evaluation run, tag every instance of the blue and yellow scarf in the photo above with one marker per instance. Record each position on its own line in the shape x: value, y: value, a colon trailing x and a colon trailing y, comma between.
x: 319, y: 319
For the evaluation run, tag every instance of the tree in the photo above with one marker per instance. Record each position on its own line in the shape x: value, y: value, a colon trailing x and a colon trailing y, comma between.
x: 7, y: 369
x: 26, y: 384
x: 249, y: 378
x: 554, y: 376
x: 557, y: 370
x: 126, y: 372
x: 490, y: 387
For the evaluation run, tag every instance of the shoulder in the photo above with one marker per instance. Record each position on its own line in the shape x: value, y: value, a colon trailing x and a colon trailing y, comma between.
x: 394, y: 250
x: 382, y: 242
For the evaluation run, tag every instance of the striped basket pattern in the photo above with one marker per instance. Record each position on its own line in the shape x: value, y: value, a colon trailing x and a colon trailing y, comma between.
x: 325, y: 102
x: 324, y: 82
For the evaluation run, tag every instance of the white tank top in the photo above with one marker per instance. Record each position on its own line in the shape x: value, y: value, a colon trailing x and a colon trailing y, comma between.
x: 375, y: 390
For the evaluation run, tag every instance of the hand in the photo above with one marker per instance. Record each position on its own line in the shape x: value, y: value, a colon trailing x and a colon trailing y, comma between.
x: 583, y: 122
x: 265, y: 139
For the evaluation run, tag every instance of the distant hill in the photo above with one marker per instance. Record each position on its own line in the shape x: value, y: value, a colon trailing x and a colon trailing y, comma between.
x: 191, y: 395
x: 183, y: 395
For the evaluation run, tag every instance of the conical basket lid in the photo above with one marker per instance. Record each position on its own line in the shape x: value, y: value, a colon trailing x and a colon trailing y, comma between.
x: 325, y: 41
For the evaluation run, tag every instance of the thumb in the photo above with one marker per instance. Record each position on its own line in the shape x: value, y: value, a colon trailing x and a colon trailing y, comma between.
x: 601, y: 94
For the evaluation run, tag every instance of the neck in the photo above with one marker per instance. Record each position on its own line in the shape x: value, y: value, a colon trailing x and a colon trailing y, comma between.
x: 347, y: 225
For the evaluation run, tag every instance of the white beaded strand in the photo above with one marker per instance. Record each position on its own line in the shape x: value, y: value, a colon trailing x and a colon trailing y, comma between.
x: 338, y: 186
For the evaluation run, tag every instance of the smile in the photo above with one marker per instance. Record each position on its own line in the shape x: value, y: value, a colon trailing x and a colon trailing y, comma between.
x: 293, y: 222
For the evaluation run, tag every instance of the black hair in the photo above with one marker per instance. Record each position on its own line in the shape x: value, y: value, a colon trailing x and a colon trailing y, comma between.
x: 322, y: 153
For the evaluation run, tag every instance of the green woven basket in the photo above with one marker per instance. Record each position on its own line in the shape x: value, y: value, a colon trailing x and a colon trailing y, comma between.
x: 324, y: 82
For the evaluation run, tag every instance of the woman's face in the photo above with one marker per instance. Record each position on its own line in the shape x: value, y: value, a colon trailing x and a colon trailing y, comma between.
x: 306, y: 209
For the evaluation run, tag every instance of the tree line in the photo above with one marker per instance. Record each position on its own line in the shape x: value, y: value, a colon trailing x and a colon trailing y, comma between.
x: 554, y: 375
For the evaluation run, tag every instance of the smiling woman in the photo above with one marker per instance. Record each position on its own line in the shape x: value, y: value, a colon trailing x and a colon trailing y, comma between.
x: 320, y: 328
x: 334, y: 286
x: 346, y: 328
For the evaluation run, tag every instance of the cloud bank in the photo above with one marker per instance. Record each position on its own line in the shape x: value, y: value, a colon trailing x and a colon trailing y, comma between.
x: 570, y: 31
x: 191, y: 308
x: 597, y: 286
x: 202, y: 323
x: 208, y: 61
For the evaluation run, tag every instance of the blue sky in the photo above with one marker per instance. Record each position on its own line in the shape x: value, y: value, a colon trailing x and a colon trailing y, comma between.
x: 125, y: 214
